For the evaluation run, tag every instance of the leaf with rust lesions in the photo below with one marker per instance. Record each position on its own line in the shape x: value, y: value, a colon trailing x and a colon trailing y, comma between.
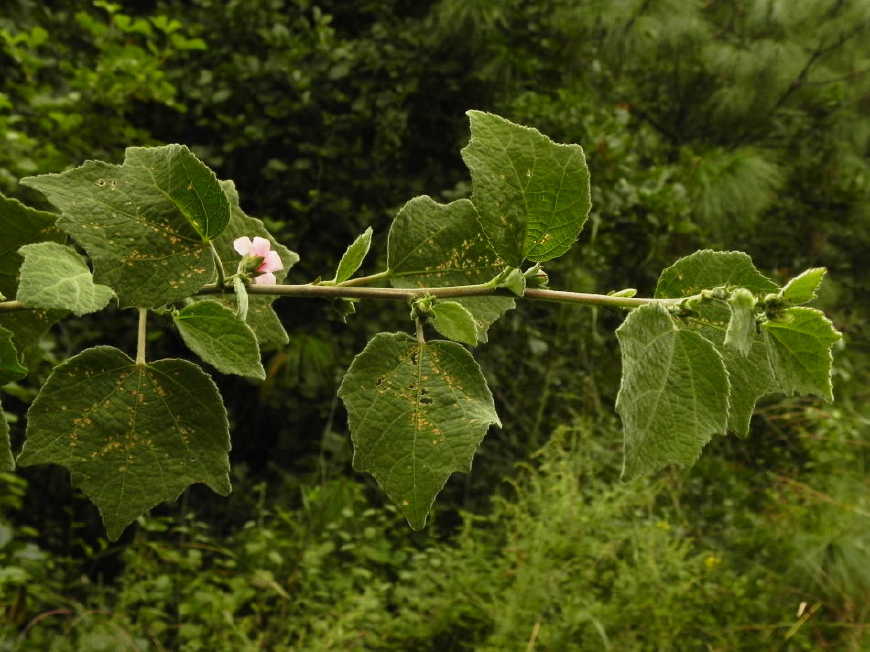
x: 417, y: 412
x: 439, y: 245
x: 145, y: 224
x: 132, y: 436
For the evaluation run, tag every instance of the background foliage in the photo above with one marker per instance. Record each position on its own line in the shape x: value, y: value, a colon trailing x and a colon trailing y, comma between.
x: 725, y: 124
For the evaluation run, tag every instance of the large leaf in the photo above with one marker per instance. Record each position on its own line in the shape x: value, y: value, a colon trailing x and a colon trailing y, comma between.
x: 750, y: 373
x: 132, y: 436
x: 532, y: 194
x: 7, y: 461
x: 54, y: 276
x: 708, y: 269
x: 9, y: 368
x: 260, y: 316
x: 417, y: 413
x: 799, y: 346
x: 145, y: 224
x: 219, y: 337
x: 20, y: 225
x: 439, y: 245
x: 674, y: 391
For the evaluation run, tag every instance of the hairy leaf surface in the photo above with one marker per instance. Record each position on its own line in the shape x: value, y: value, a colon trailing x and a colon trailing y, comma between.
x: 354, y: 256
x: 454, y: 322
x: 708, y: 269
x: 219, y: 337
x: 532, y: 194
x: 674, y: 391
x: 54, y: 276
x: 799, y: 346
x: 132, y: 436
x: 9, y: 368
x: 21, y: 225
x: 145, y: 224
x: 439, y: 245
x: 417, y: 413
x: 803, y: 288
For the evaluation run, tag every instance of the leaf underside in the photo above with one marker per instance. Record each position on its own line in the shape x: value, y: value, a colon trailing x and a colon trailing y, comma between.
x: 674, y: 392
x: 532, y: 194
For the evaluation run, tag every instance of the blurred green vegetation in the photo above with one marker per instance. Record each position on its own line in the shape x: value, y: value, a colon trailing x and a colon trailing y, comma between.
x: 738, y: 124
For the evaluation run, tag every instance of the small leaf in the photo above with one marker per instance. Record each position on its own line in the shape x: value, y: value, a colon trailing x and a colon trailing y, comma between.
x: 21, y: 225
x: 800, y: 351
x: 674, y: 391
x: 439, y: 245
x: 145, y: 224
x: 628, y: 293
x: 218, y: 336
x: 803, y: 288
x: 515, y: 281
x: 132, y: 436
x: 353, y: 257
x: 55, y: 276
x: 7, y: 461
x: 741, y: 326
x: 707, y: 269
x: 9, y: 368
x: 532, y: 194
x: 241, y: 298
x: 417, y: 413
x: 454, y: 322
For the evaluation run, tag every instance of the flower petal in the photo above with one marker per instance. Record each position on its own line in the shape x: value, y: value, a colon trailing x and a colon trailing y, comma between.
x: 261, y: 247
x: 265, y: 279
x: 242, y: 245
x: 272, y: 263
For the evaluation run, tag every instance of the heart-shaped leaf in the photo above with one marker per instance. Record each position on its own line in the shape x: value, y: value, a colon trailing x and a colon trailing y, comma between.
x: 131, y: 435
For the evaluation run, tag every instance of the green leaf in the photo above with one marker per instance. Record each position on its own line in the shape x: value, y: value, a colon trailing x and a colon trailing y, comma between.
x: 515, y: 281
x: 242, y: 299
x: 707, y: 269
x: 219, y: 337
x: 145, y: 224
x: 27, y: 326
x: 740, y: 333
x: 532, y: 194
x: 417, y: 413
x: 750, y: 374
x: 800, y: 351
x: 55, y: 276
x: 439, y: 245
x: 7, y: 461
x: 261, y: 317
x: 9, y: 368
x: 132, y: 436
x: 674, y: 391
x: 454, y: 322
x: 803, y: 288
x: 20, y: 225
x: 353, y: 257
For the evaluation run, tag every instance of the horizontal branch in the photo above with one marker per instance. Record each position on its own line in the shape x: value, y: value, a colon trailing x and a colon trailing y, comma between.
x: 407, y: 294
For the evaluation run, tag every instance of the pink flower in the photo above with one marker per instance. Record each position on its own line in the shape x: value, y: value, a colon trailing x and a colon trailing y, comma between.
x: 262, y: 249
